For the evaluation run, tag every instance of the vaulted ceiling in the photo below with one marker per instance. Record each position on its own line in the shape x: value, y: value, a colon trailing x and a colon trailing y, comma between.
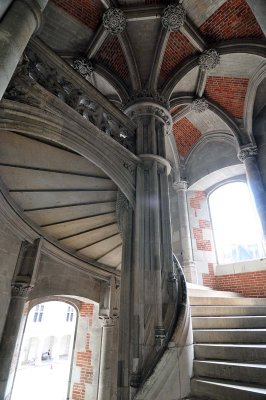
x: 147, y: 56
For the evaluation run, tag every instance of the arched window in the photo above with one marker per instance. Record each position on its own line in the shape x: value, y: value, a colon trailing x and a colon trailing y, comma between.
x: 236, y: 226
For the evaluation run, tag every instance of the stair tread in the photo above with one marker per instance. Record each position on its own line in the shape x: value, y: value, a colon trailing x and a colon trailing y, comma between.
x: 246, y: 345
x: 232, y: 363
x: 235, y: 385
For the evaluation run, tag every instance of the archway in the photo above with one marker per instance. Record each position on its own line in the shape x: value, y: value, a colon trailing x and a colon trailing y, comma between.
x: 46, y: 352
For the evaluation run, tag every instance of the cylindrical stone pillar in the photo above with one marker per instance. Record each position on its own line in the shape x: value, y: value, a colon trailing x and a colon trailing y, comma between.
x: 108, y: 359
x: 248, y: 155
x: 188, y: 263
x: 8, y: 343
x: 17, y: 26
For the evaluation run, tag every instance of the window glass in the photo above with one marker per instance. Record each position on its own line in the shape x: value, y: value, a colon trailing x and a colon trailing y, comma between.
x: 236, y: 226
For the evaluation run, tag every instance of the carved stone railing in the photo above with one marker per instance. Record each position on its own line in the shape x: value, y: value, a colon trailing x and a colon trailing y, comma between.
x: 175, y: 301
x: 42, y: 65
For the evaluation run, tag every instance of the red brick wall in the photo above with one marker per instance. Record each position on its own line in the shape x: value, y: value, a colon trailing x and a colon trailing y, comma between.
x: 84, y: 358
x: 251, y: 284
x: 234, y: 19
x: 228, y: 92
x: 89, y: 12
x: 178, y: 48
x: 198, y: 231
x: 111, y: 55
x: 186, y: 134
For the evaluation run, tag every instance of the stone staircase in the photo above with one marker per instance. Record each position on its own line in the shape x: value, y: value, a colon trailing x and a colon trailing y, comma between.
x: 229, y: 345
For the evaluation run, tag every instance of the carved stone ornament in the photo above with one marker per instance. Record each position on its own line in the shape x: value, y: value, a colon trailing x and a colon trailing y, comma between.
x: 173, y: 17
x: 199, y: 105
x: 114, y: 21
x: 180, y: 185
x: 149, y: 108
x: 209, y: 59
x: 84, y: 67
x: 247, y: 152
x: 122, y: 205
x: 108, y: 321
x: 20, y: 290
x: 147, y: 95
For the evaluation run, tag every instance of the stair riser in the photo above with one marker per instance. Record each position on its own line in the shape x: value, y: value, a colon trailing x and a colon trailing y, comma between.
x: 229, y: 337
x: 217, y: 392
x: 199, y: 311
x: 228, y: 323
x: 247, y: 375
x: 240, y: 354
x: 226, y: 301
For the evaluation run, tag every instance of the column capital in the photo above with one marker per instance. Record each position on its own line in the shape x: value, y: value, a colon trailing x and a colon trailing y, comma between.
x: 249, y: 151
x: 151, y: 108
x: 108, y: 321
x: 20, y: 290
x: 180, y: 185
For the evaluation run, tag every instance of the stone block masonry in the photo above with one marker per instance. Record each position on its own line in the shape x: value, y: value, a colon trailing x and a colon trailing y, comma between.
x: 89, y: 12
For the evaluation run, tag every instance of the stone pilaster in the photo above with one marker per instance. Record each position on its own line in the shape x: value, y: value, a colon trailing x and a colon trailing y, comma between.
x: 247, y: 155
x: 188, y: 263
x: 20, y: 21
x: 23, y: 281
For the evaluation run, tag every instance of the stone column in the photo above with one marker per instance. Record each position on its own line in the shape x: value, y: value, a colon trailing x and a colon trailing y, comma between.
x: 108, y: 359
x: 20, y: 21
x: 19, y: 295
x: 23, y: 281
x: 247, y: 155
x: 188, y: 263
x: 258, y: 8
x: 152, y: 255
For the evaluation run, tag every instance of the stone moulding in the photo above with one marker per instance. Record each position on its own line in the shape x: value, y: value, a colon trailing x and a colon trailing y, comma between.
x: 173, y: 17
x: 247, y: 152
x: 114, y: 21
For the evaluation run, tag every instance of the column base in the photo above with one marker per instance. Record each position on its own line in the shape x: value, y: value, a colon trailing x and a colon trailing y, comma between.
x: 190, y: 273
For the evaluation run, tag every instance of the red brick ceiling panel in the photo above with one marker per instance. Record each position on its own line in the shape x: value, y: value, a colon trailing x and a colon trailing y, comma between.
x: 228, y: 92
x: 233, y: 20
x: 89, y: 12
x: 186, y: 135
x: 111, y: 55
x: 178, y: 48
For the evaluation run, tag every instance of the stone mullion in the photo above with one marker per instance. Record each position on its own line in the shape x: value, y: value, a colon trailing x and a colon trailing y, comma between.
x: 187, y: 253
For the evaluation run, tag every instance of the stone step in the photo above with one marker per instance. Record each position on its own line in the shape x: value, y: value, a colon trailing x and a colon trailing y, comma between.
x: 251, y: 336
x: 241, y: 372
x: 227, y: 301
x: 229, y: 322
x: 224, y: 390
x: 199, y: 290
x: 202, y: 311
x: 231, y: 352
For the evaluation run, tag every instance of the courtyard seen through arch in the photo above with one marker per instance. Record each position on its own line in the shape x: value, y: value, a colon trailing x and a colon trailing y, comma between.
x: 43, y: 370
x: 236, y: 226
